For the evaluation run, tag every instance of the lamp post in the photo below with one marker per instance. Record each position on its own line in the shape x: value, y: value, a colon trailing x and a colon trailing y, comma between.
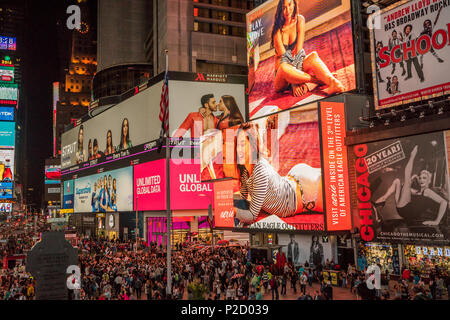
x: 136, y: 230
x: 210, y: 221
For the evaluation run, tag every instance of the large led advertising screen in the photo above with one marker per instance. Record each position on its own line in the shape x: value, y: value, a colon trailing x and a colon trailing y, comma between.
x: 8, y: 91
x: 6, y: 114
x: 109, y: 191
x: 197, y: 107
x: 6, y: 165
x: 7, y: 134
x: 409, y: 42
x: 112, y: 133
x: 403, y: 189
x: 150, y: 186
x: 298, y: 54
x: 53, y: 174
x: 186, y: 189
x: 7, y: 43
x: 276, y: 162
x: 275, y: 165
x: 6, y: 190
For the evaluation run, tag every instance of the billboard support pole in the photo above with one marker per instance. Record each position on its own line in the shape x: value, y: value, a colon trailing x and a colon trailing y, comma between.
x: 169, y: 212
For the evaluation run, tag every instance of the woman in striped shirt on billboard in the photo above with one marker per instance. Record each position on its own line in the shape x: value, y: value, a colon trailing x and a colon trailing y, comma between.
x: 298, y: 192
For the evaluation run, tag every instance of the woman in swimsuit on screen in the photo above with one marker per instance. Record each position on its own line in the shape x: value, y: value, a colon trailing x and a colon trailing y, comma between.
x: 295, y: 69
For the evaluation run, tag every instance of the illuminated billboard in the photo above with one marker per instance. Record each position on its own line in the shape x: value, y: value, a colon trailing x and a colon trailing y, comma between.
x: 110, y: 191
x: 276, y: 163
x: 6, y: 114
x: 114, y: 132
x: 6, y: 190
x: 409, y: 46
x: 403, y: 189
x: 6, y: 165
x: 298, y: 54
x: 7, y: 134
x: 7, y: 43
x: 197, y: 107
x: 8, y: 91
x: 6, y: 74
x: 53, y: 174
x: 278, y: 179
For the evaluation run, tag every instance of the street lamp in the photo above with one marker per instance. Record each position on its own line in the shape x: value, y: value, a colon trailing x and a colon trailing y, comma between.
x: 136, y: 230
x: 209, y: 217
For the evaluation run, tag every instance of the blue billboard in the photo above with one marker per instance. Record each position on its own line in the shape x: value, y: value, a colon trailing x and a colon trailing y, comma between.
x: 7, y: 134
x: 6, y: 114
x: 68, y: 195
x: 6, y: 190
x: 7, y: 43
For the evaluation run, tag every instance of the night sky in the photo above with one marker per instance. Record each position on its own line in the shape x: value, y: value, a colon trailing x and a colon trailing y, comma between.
x: 47, y: 54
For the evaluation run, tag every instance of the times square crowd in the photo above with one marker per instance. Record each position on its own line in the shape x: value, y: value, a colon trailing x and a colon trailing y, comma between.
x: 115, y: 270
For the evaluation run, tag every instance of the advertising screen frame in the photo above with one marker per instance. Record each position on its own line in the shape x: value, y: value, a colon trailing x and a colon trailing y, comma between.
x: 381, y: 216
x: 344, y: 8
x: 7, y: 113
x: 375, y: 19
x: 8, y: 125
x: 151, y: 142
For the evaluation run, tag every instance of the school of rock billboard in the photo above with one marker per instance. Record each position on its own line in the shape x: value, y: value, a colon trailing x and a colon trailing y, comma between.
x: 275, y: 163
x: 403, y: 189
x: 410, y: 40
x: 300, y: 59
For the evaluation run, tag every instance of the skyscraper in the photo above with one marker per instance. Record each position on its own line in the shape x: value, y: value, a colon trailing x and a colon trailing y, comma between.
x: 200, y: 35
x: 122, y: 28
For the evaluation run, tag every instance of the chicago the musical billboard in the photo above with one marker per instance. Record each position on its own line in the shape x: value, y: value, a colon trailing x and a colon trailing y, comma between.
x: 403, y: 189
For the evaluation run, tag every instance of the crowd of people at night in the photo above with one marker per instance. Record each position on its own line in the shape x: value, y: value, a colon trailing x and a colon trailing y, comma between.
x: 117, y: 270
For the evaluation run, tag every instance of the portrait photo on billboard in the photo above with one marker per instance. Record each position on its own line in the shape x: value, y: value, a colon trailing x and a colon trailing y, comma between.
x: 300, y: 249
x: 110, y: 191
x: 298, y: 52
x: 277, y: 164
x: 409, y: 42
x: 196, y: 108
x: 115, y: 130
x: 409, y: 187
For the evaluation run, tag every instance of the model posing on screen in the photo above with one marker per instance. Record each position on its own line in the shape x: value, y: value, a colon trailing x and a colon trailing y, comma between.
x: 231, y: 116
x: 197, y: 123
x: 80, y: 155
x: 125, y: 141
x: 411, y: 201
x: 295, y: 69
x: 109, y: 144
x: 299, y: 191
